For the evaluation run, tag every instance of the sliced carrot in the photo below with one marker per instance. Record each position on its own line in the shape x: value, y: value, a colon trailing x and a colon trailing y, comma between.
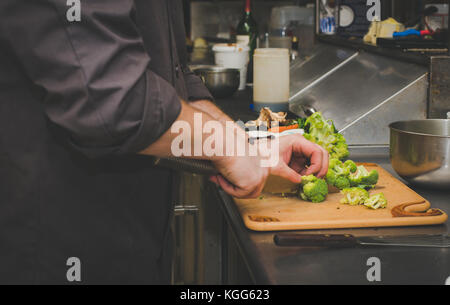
x: 283, y: 128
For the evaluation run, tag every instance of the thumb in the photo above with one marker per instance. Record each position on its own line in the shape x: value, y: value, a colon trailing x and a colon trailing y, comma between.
x: 288, y: 173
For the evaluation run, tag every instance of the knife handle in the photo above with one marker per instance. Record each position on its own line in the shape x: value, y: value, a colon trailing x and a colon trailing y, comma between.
x: 315, y: 240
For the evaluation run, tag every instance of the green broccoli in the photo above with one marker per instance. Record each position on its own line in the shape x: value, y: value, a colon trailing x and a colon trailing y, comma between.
x: 354, y: 196
x: 377, y: 201
x: 330, y: 178
x: 313, y: 189
x: 351, y: 166
x: 324, y: 133
x: 342, y: 182
x: 338, y: 173
x: 362, y: 177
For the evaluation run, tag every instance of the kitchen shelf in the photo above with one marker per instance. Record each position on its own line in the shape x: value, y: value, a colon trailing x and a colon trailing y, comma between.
x: 358, y: 44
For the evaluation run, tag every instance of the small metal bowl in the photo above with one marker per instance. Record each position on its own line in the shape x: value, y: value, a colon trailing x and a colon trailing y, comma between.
x: 420, y: 152
x: 221, y: 82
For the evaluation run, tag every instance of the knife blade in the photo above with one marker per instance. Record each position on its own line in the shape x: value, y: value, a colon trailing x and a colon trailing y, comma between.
x: 347, y: 240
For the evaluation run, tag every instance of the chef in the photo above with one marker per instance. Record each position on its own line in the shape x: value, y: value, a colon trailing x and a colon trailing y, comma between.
x: 84, y: 101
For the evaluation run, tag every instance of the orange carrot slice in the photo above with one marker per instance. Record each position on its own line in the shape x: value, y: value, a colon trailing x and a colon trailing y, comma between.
x: 283, y: 128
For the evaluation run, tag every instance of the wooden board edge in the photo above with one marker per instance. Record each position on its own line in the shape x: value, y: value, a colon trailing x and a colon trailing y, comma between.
x: 392, y: 222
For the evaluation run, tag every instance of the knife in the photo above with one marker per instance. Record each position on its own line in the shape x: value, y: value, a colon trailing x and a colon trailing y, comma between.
x: 347, y: 240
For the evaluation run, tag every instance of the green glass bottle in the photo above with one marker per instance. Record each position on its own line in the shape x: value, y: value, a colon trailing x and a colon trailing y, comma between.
x: 247, y: 33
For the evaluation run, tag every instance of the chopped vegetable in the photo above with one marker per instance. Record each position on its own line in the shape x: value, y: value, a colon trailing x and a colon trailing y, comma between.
x: 363, y: 178
x: 338, y: 173
x: 354, y: 196
x: 283, y: 128
x: 313, y: 189
x: 377, y: 201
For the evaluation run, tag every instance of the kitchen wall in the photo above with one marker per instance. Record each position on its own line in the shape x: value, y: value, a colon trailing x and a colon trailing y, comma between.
x: 219, y: 18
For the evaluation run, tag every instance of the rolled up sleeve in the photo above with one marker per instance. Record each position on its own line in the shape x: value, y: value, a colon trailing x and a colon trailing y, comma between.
x: 93, y: 73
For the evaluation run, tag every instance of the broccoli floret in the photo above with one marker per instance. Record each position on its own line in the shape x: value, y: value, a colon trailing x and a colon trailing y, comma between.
x: 338, y: 173
x: 334, y: 163
x: 313, y: 189
x: 338, y: 167
x: 340, y: 151
x: 330, y: 177
x: 351, y: 166
x: 362, y: 177
x: 371, y: 178
x: 342, y: 182
x: 354, y: 196
x: 308, y: 179
x: 377, y: 201
x: 324, y: 133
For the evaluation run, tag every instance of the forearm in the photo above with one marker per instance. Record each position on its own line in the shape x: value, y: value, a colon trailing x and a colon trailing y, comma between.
x: 201, y: 126
x: 210, y: 108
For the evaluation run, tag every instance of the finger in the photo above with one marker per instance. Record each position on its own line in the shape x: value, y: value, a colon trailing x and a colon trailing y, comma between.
x: 325, y: 163
x: 303, y: 147
x: 256, y: 193
x: 288, y: 173
x: 232, y: 189
x: 258, y: 189
x: 316, y: 160
x: 214, y: 180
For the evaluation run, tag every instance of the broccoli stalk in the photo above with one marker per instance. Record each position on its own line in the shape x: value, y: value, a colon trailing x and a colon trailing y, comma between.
x: 313, y: 189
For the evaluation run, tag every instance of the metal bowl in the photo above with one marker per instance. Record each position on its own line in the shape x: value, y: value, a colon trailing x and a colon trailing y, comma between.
x: 221, y: 82
x: 420, y: 152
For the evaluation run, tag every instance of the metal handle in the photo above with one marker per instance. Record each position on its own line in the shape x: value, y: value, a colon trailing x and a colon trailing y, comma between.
x: 181, y: 239
x: 201, y: 167
x: 309, y: 110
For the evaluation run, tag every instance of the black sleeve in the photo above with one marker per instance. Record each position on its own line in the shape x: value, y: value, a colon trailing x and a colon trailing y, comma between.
x: 94, y: 73
x: 195, y: 87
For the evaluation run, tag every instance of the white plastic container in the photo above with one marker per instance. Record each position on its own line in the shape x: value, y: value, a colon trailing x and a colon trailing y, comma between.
x: 234, y: 56
x: 271, y: 79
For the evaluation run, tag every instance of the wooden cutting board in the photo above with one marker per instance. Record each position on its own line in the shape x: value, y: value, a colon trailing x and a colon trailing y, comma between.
x: 273, y: 212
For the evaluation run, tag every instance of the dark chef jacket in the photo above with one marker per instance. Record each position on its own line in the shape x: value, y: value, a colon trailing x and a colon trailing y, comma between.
x: 77, y: 101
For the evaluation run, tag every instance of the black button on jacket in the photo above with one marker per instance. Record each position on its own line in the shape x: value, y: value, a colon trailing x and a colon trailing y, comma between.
x: 77, y: 101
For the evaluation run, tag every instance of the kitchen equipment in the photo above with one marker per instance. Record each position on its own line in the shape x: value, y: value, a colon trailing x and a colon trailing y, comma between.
x: 233, y: 56
x: 353, y: 17
x: 347, y: 240
x: 420, y: 152
x: 438, y: 19
x: 274, y: 212
x: 282, y: 17
x: 271, y: 79
x: 362, y: 92
x: 221, y: 82
x: 383, y: 29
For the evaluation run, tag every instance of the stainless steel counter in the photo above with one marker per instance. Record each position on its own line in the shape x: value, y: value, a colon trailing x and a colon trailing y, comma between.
x: 269, y: 264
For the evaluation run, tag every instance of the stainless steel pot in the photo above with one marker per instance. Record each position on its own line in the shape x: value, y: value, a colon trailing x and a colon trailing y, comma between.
x: 420, y: 152
x: 221, y: 82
